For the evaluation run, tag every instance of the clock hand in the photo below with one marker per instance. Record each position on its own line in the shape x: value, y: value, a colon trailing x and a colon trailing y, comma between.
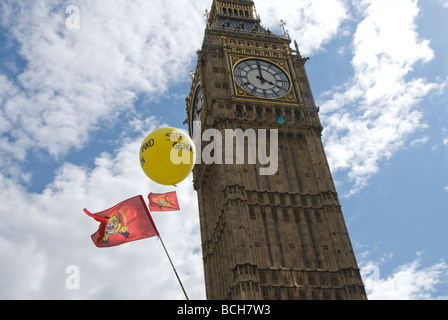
x: 261, y: 79
x: 261, y: 75
x: 264, y: 80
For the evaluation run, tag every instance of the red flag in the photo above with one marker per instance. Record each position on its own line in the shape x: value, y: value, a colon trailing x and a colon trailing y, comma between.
x: 128, y: 221
x: 163, y: 202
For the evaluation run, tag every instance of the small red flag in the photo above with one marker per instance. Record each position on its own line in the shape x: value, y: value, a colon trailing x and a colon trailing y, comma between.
x: 163, y: 202
x: 128, y: 221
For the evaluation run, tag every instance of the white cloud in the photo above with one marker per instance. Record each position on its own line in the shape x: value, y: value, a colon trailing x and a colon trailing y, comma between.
x: 311, y: 23
x: 76, y: 79
x: 445, y: 142
x: 44, y: 233
x: 410, y: 281
x: 418, y: 142
x: 370, y: 118
x: 444, y: 3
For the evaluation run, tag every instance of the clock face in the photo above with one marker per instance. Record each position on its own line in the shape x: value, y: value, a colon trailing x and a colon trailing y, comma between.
x: 262, y: 78
x: 197, y: 104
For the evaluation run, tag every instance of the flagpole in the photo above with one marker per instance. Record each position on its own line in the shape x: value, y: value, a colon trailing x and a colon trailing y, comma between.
x: 180, y: 282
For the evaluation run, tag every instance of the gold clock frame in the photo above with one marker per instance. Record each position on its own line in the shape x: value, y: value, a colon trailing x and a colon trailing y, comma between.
x: 280, y: 57
x: 239, y: 91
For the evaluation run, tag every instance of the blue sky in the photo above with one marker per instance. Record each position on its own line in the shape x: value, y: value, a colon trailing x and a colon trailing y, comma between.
x: 75, y: 106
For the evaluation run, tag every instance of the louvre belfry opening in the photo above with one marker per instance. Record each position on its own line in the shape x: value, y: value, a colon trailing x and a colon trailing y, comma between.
x: 276, y: 236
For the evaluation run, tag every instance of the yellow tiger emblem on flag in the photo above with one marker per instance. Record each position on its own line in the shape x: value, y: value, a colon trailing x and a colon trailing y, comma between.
x: 116, y: 224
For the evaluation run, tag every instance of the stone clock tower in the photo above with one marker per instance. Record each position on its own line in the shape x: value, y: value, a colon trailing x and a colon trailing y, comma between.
x: 272, y: 236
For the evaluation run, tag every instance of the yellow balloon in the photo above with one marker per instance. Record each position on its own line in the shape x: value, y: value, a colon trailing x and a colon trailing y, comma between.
x: 167, y: 156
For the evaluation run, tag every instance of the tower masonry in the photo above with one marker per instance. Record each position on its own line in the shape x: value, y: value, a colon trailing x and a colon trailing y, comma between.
x: 277, y: 233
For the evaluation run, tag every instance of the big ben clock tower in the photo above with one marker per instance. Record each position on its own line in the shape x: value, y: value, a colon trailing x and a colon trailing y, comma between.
x: 279, y: 235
